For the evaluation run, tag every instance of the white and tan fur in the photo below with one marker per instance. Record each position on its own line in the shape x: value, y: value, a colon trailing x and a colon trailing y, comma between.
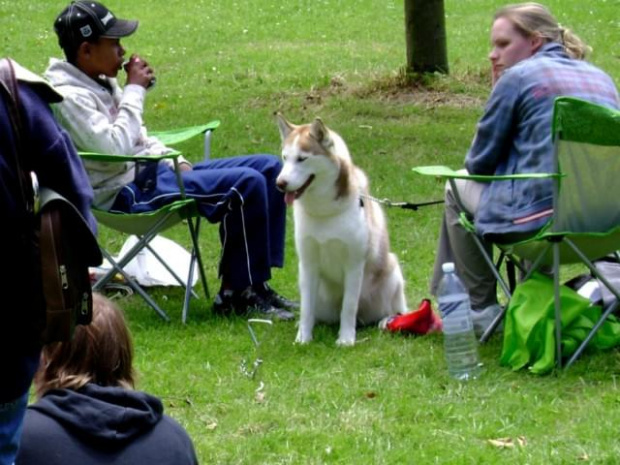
x: 346, y: 270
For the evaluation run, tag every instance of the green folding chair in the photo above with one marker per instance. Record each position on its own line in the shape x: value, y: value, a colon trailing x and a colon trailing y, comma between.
x: 585, y: 225
x: 146, y: 226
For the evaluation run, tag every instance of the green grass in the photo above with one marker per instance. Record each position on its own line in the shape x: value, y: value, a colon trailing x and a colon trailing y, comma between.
x: 388, y: 399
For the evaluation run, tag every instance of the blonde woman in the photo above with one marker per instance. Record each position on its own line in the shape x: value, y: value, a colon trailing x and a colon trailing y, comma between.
x: 88, y: 411
x: 534, y: 60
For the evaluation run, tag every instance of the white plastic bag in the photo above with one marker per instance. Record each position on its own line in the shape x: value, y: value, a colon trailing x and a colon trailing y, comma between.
x: 147, y: 269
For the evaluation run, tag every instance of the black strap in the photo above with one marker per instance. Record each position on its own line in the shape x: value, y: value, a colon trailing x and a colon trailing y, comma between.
x: 8, y: 83
x: 415, y: 206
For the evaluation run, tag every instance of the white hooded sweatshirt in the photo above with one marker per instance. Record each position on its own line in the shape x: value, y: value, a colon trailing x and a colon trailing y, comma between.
x: 101, y: 117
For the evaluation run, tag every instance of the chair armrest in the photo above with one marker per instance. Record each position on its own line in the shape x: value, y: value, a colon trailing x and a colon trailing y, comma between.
x: 175, y: 136
x: 92, y: 156
x: 443, y: 172
x: 168, y: 138
x: 171, y: 137
x: 448, y: 173
x: 174, y: 156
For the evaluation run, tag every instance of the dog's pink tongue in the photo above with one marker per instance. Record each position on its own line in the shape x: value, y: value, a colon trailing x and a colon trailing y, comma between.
x: 289, y: 198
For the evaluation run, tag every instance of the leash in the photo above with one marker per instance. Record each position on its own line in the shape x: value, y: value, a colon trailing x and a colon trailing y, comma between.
x: 251, y: 370
x: 260, y: 393
x: 405, y: 205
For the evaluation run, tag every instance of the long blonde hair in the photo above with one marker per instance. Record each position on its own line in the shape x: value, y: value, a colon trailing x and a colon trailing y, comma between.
x: 532, y: 18
x: 101, y: 353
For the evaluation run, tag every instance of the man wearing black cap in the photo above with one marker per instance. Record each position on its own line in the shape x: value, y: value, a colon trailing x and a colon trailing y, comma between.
x: 87, y: 22
x: 238, y: 192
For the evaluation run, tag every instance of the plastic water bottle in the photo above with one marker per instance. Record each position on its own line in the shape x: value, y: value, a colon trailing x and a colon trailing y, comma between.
x: 461, y: 347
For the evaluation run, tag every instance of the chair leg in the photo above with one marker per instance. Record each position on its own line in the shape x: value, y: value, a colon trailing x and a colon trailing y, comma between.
x: 511, y: 267
x: 187, y: 284
x: 196, y: 256
x: 188, y: 288
x: 116, y: 267
x: 493, y: 326
x: 605, y: 314
x: 591, y: 334
x: 143, y: 242
x: 169, y: 269
x: 149, y: 300
x: 558, y: 313
x: 500, y: 280
x: 489, y: 261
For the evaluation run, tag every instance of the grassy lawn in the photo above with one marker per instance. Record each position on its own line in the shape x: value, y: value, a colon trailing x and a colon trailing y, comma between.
x: 388, y: 400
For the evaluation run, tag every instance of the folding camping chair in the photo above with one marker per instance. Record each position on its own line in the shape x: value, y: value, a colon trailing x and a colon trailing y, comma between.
x: 146, y: 226
x: 585, y: 225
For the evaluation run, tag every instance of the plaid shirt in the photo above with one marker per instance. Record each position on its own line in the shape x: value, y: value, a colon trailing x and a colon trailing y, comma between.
x: 514, y: 135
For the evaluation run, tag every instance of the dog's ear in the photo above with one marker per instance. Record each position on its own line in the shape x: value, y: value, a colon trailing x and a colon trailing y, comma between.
x: 319, y: 131
x: 284, y: 126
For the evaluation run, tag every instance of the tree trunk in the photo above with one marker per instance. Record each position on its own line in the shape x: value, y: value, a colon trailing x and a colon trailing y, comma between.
x: 425, y: 30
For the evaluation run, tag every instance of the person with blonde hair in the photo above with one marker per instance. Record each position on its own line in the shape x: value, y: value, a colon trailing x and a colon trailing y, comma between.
x: 88, y: 411
x: 533, y: 20
x: 533, y: 61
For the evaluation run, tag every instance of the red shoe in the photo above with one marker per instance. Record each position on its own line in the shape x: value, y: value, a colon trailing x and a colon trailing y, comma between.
x: 419, y: 322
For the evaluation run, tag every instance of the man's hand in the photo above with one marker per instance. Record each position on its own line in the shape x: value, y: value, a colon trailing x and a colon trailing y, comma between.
x: 139, y: 72
x: 184, y: 166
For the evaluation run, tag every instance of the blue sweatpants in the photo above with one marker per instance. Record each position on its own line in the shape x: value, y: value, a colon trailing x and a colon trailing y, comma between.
x: 237, y: 192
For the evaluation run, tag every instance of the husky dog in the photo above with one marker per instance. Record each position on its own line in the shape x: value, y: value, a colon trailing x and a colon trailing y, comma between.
x: 346, y: 270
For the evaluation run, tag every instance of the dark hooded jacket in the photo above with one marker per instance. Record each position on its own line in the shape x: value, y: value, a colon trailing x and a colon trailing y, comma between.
x: 54, y: 159
x: 102, y: 425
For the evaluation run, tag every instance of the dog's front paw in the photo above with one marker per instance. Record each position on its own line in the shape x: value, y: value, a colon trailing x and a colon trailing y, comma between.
x: 346, y: 338
x: 345, y: 342
x: 303, y: 337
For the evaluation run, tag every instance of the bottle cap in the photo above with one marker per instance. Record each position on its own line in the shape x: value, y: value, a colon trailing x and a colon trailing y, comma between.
x: 448, y: 267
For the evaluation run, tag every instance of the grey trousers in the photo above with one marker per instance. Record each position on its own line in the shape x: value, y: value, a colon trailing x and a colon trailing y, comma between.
x: 458, y: 246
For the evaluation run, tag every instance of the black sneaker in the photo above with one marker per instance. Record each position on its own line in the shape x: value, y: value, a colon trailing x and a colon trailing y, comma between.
x: 245, y: 302
x: 275, y: 299
x: 224, y: 303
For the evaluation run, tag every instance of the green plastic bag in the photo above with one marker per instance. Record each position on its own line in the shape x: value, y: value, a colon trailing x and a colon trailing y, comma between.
x: 529, y: 327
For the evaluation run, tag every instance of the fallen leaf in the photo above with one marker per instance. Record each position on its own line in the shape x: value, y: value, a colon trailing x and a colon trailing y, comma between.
x: 502, y: 443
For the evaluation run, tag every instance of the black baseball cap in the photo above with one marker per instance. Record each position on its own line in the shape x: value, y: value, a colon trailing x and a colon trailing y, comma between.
x: 87, y: 21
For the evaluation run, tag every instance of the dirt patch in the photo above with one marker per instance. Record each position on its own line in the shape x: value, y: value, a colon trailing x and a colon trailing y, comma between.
x: 427, y: 97
x: 470, y: 93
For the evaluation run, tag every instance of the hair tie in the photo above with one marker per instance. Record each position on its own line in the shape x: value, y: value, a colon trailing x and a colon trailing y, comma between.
x: 561, y: 30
